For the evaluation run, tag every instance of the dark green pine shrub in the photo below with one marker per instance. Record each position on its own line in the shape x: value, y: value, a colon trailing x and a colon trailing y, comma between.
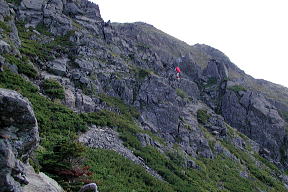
x: 23, y: 65
x: 237, y: 88
x: 7, y: 29
x: 53, y: 89
x: 181, y: 93
x: 202, y: 116
x: 16, y: 2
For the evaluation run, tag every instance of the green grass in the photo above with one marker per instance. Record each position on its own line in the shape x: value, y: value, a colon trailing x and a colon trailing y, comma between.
x: 262, y: 173
x: 211, y: 81
x: 140, y: 73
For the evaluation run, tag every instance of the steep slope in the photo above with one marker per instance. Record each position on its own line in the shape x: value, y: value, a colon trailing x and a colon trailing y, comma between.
x: 110, y: 110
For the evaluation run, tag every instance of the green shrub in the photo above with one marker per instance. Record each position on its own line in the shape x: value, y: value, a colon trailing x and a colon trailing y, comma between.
x: 43, y: 29
x: 202, y: 116
x: 16, y: 2
x: 114, y: 173
x: 38, y: 51
x: 211, y: 81
x: 237, y: 88
x: 23, y: 65
x: 284, y: 115
x: 53, y: 89
x: 141, y: 73
x: 7, y: 29
x: 125, y: 109
x: 181, y: 93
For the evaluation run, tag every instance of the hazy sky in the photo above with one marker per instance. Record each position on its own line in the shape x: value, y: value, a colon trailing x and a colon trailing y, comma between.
x: 252, y: 33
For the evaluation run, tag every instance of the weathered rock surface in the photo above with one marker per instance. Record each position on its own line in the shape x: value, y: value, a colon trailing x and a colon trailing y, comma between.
x: 40, y: 182
x: 58, y: 66
x: 18, y: 138
x: 254, y: 116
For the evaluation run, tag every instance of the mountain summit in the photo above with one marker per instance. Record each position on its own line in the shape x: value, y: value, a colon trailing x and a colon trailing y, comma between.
x: 87, y: 101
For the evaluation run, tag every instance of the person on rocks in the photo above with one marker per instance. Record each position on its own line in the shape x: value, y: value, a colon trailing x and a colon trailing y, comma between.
x: 177, y: 69
x: 89, y: 187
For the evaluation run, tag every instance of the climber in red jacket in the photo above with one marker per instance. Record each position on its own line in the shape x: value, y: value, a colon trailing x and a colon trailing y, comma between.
x: 177, y: 69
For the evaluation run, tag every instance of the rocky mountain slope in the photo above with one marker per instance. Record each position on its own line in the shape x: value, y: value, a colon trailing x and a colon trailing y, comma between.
x: 111, y: 111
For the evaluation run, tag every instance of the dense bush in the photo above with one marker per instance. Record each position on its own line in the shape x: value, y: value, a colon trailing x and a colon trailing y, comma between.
x: 237, y: 88
x: 23, y: 64
x: 16, y: 2
x: 181, y: 93
x: 53, y: 89
x: 7, y: 29
x: 38, y: 51
x: 202, y: 116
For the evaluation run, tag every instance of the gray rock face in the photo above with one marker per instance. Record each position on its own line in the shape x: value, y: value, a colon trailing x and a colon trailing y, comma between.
x: 4, y: 9
x: 84, y: 103
x: 58, y: 66
x: 31, y: 11
x: 254, y: 116
x: 53, y: 17
x: 216, y: 70
x: 18, y: 138
x: 156, y: 101
x: 4, y: 47
x: 7, y: 16
x: 72, y: 9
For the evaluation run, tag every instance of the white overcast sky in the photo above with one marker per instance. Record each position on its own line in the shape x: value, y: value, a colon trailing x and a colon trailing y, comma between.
x: 252, y: 33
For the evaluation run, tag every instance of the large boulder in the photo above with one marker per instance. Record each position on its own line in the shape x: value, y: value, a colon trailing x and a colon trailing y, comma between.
x: 18, y: 138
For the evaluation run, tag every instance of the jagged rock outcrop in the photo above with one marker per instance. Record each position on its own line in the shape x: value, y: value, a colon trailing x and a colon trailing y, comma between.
x: 254, y: 116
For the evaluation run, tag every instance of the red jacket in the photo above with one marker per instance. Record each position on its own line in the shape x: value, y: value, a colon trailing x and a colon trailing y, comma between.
x: 178, y: 69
